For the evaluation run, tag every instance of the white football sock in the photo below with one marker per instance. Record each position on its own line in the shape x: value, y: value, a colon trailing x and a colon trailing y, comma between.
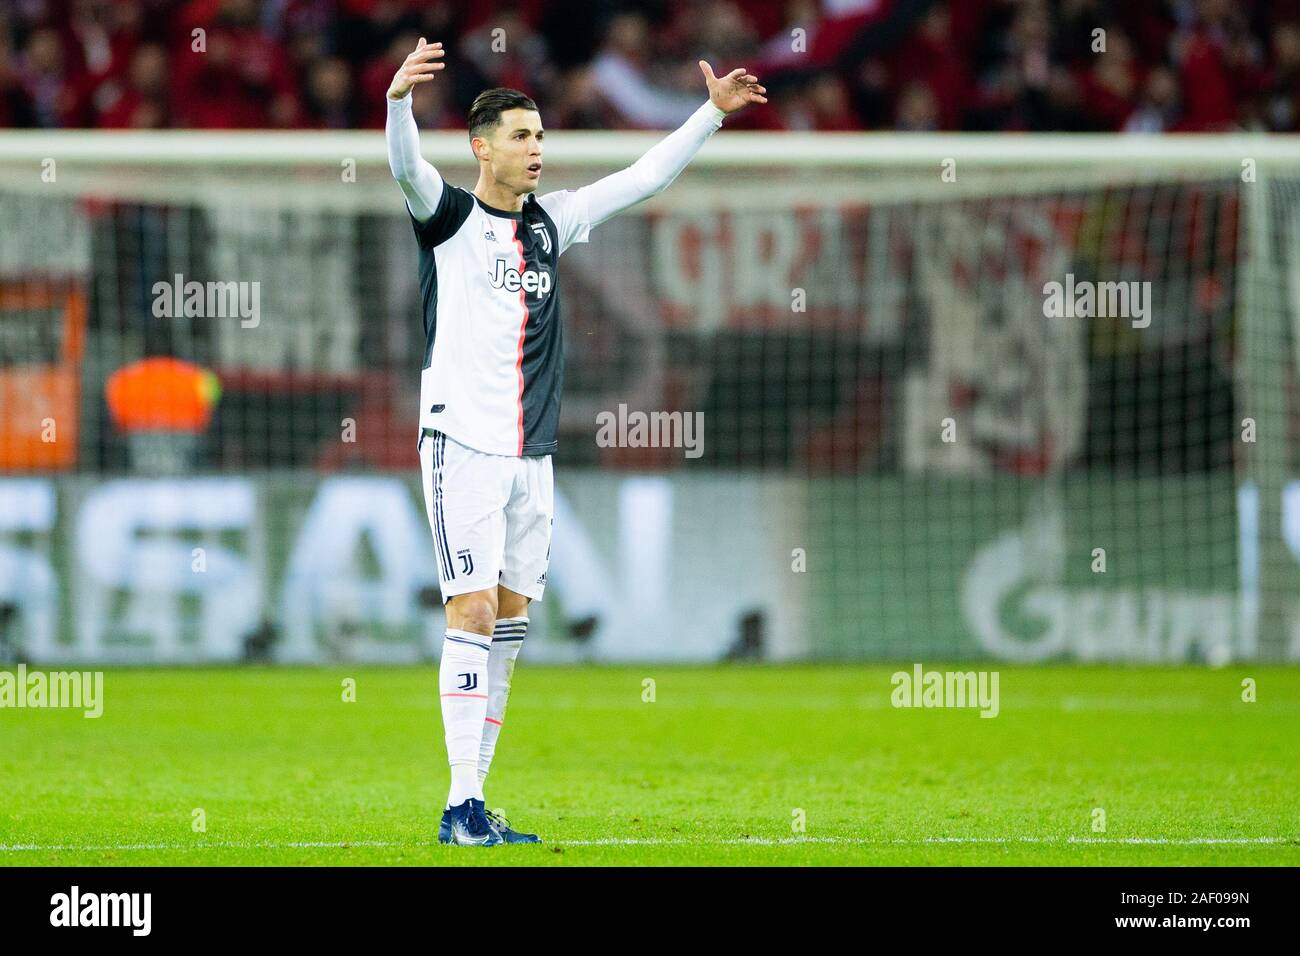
x: 463, y: 688
x: 507, y: 639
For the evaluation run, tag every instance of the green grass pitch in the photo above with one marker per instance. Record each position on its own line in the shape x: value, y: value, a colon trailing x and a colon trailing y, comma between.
x: 718, y: 769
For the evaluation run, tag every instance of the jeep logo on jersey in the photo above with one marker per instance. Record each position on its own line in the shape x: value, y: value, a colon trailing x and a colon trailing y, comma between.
x: 512, y: 280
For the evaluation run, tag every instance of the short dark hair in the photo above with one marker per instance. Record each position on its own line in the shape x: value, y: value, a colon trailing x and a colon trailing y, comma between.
x: 485, y: 113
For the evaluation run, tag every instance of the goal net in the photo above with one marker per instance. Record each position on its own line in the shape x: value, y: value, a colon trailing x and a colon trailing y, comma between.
x: 837, y: 396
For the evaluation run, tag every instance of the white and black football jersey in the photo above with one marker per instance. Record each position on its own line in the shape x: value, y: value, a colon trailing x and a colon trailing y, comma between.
x: 490, y: 288
x: 494, y: 343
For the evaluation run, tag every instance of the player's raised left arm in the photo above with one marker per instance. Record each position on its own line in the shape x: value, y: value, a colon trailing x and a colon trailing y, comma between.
x: 664, y: 161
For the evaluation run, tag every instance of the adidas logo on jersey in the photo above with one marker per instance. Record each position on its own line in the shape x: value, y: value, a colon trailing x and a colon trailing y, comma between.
x: 512, y: 280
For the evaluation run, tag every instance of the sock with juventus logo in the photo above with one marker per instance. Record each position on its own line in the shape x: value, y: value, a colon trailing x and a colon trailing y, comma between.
x: 507, y: 639
x: 463, y: 685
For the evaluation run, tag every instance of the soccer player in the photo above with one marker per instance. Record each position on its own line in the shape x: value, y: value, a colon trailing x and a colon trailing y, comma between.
x: 491, y: 381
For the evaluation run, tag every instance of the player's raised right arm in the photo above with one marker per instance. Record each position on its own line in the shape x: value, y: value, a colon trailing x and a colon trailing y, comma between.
x: 420, y: 182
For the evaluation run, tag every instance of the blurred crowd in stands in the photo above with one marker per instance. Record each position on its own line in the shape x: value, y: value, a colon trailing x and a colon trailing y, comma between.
x: 999, y: 65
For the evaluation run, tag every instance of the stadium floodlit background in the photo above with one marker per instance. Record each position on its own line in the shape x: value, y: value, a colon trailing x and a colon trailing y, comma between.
x: 903, y: 456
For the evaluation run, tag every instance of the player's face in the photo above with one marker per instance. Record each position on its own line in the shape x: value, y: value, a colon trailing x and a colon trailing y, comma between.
x: 516, y: 155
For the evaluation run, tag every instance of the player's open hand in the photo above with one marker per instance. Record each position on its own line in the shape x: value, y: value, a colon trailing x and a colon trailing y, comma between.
x: 738, y: 88
x: 419, y: 67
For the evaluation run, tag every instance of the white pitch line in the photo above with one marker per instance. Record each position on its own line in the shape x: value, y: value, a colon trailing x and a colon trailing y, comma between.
x: 237, y: 845
x: 649, y: 841
x: 923, y: 841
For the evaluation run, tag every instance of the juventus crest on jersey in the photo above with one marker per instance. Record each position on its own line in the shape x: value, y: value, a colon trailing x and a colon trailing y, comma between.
x: 493, y: 361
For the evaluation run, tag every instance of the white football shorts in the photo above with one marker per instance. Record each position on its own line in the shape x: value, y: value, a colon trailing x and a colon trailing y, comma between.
x: 491, y: 517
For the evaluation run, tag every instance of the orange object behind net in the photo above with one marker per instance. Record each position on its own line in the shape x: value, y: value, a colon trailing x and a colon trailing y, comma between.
x: 39, y: 385
x: 161, y: 394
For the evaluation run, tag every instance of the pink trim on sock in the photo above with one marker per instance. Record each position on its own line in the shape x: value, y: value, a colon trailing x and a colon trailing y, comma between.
x: 480, y: 696
x: 491, y: 721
